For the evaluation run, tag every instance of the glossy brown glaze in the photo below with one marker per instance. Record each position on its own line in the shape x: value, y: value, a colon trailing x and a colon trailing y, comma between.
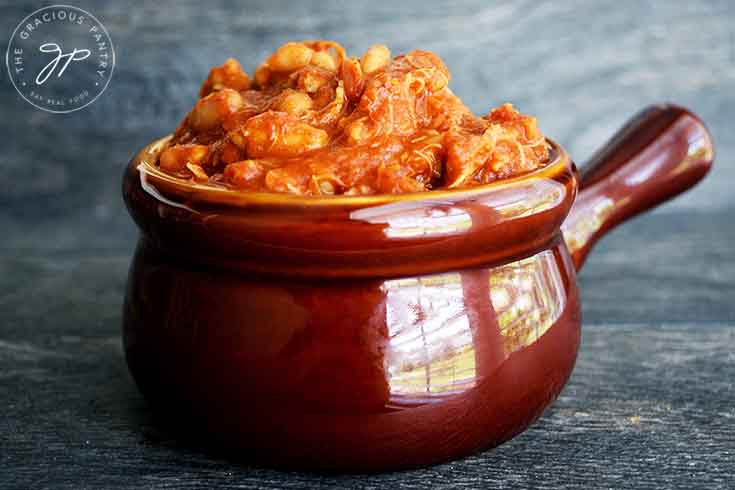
x: 353, y: 375
x: 380, y: 332
x: 372, y: 236
x: 661, y: 152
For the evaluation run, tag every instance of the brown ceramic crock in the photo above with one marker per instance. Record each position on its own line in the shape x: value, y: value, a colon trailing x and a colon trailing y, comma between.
x: 381, y: 332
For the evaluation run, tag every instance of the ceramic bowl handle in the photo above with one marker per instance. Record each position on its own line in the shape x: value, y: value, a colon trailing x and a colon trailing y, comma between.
x: 661, y: 152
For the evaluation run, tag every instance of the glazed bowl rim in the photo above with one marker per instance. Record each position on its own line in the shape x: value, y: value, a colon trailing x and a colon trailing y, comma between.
x: 144, y: 163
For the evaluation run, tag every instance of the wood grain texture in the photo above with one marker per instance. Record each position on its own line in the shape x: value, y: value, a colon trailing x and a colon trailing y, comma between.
x: 582, y: 68
x: 650, y: 404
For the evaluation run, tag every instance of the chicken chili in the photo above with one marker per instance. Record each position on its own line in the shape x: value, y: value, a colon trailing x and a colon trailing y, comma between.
x: 312, y: 121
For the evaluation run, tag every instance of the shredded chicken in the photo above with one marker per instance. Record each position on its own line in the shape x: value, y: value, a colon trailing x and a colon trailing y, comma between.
x: 312, y: 121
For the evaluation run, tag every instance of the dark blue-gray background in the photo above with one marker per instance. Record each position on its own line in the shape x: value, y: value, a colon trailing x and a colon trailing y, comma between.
x: 651, y: 402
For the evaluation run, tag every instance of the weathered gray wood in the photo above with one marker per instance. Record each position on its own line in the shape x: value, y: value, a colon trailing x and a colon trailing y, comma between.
x: 650, y: 404
x: 581, y: 67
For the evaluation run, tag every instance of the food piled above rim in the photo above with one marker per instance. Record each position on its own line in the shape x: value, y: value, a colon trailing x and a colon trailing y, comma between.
x: 313, y: 122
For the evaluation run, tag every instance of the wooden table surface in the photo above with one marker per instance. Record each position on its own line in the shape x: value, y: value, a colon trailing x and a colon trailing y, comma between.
x: 651, y: 403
